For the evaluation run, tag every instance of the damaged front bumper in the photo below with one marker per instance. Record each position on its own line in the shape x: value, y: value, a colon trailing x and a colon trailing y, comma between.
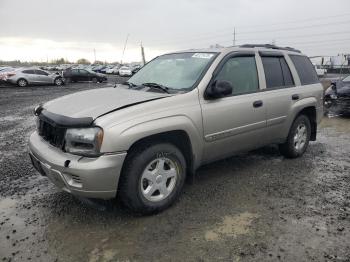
x: 82, y: 176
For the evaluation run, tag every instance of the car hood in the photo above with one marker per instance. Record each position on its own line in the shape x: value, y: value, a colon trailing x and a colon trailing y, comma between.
x: 97, y: 102
x: 343, y: 90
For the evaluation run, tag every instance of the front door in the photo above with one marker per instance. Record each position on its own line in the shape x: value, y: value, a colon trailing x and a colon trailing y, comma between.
x: 43, y: 77
x: 236, y: 122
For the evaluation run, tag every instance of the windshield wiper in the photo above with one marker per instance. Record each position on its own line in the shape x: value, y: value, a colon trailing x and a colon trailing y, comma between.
x: 129, y: 84
x: 157, y: 86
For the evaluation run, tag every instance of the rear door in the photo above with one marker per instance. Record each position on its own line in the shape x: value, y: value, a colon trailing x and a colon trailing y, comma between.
x: 30, y: 76
x: 280, y: 93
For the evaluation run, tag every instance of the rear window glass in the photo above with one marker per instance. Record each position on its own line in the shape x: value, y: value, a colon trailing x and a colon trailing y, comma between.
x: 305, y: 69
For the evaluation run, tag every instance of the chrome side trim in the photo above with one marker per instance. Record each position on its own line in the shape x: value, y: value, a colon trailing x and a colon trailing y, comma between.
x: 235, y: 131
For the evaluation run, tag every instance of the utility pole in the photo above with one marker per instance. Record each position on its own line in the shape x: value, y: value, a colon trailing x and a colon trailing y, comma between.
x: 143, y: 54
x: 126, y: 41
x: 95, y: 55
x: 234, y: 36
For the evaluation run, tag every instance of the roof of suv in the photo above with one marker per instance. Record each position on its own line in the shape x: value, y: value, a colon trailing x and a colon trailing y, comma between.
x: 247, y: 47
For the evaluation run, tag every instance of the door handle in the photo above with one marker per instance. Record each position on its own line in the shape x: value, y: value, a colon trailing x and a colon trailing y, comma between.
x: 295, y: 97
x: 258, y: 103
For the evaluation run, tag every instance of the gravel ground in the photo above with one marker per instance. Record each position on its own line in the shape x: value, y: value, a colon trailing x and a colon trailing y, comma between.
x: 256, y: 206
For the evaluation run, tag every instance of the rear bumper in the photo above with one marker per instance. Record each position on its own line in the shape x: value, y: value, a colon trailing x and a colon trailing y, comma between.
x: 86, y: 177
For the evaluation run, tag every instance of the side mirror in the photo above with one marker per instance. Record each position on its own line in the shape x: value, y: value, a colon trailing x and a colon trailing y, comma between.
x: 219, y: 89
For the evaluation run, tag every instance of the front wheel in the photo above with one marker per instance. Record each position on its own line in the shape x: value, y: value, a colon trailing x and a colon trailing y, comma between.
x: 58, y: 81
x: 152, y: 178
x: 298, y: 138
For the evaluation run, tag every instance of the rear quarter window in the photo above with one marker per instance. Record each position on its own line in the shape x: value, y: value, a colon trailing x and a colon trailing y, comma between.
x: 305, y: 69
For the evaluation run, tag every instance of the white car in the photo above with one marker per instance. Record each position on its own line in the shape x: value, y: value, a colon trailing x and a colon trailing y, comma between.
x: 320, y: 71
x: 125, y: 71
x: 113, y: 70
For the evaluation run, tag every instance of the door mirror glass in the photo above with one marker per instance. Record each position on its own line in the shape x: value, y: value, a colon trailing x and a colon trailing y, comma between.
x: 219, y: 89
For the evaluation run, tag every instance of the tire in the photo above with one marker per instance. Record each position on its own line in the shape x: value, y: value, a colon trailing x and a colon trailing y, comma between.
x: 58, y: 81
x: 147, y: 184
x: 298, y: 138
x: 94, y: 80
x: 22, y: 82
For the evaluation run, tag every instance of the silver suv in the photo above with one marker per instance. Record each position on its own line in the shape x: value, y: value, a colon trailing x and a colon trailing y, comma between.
x: 141, y: 139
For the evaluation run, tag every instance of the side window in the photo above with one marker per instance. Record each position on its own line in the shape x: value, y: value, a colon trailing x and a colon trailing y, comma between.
x: 75, y: 71
x: 242, y: 73
x: 39, y: 72
x: 287, y: 75
x: 28, y: 72
x: 305, y: 69
x: 83, y: 72
x: 277, y: 72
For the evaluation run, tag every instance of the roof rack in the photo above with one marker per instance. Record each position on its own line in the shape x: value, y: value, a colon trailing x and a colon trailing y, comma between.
x: 271, y: 47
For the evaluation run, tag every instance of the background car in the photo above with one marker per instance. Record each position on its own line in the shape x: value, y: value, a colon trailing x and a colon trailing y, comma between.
x: 113, y: 70
x: 83, y: 75
x: 136, y: 68
x: 320, y: 71
x: 337, y: 96
x: 26, y: 76
x: 125, y: 71
x: 97, y: 68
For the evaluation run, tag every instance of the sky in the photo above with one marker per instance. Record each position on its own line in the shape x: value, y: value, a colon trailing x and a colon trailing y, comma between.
x: 41, y: 30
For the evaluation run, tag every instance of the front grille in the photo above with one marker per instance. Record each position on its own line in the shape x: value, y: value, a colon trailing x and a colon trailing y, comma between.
x: 53, y: 134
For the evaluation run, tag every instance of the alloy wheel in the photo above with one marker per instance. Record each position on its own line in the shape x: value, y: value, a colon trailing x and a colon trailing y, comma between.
x: 159, y: 178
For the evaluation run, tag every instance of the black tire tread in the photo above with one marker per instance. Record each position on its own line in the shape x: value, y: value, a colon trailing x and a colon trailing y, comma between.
x: 287, y: 148
x: 127, y: 196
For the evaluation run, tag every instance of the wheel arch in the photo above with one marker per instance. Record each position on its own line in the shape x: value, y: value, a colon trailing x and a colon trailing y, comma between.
x: 310, y: 112
x: 178, y: 138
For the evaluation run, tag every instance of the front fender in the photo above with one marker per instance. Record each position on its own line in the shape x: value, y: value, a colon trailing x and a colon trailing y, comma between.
x: 122, y: 137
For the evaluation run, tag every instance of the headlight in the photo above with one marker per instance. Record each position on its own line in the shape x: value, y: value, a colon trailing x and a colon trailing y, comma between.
x: 333, y: 96
x: 84, y: 141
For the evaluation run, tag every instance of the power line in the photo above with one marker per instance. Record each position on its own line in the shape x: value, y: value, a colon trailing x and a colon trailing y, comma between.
x: 214, y: 34
x: 215, y: 37
x: 294, y: 28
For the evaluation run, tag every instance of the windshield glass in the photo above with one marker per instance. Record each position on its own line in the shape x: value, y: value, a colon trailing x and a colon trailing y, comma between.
x: 175, y: 71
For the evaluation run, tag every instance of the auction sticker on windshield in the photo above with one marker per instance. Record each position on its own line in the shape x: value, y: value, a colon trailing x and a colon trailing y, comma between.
x: 202, y: 55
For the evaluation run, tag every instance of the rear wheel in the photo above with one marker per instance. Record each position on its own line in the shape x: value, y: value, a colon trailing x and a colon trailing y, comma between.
x: 94, y: 80
x: 22, y: 82
x: 298, y: 138
x: 152, y: 178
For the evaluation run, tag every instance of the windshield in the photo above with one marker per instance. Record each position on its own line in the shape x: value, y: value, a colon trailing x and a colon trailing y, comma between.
x: 175, y: 71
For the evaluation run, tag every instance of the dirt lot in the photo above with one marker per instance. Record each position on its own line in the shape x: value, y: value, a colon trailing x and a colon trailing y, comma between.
x: 256, y: 206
